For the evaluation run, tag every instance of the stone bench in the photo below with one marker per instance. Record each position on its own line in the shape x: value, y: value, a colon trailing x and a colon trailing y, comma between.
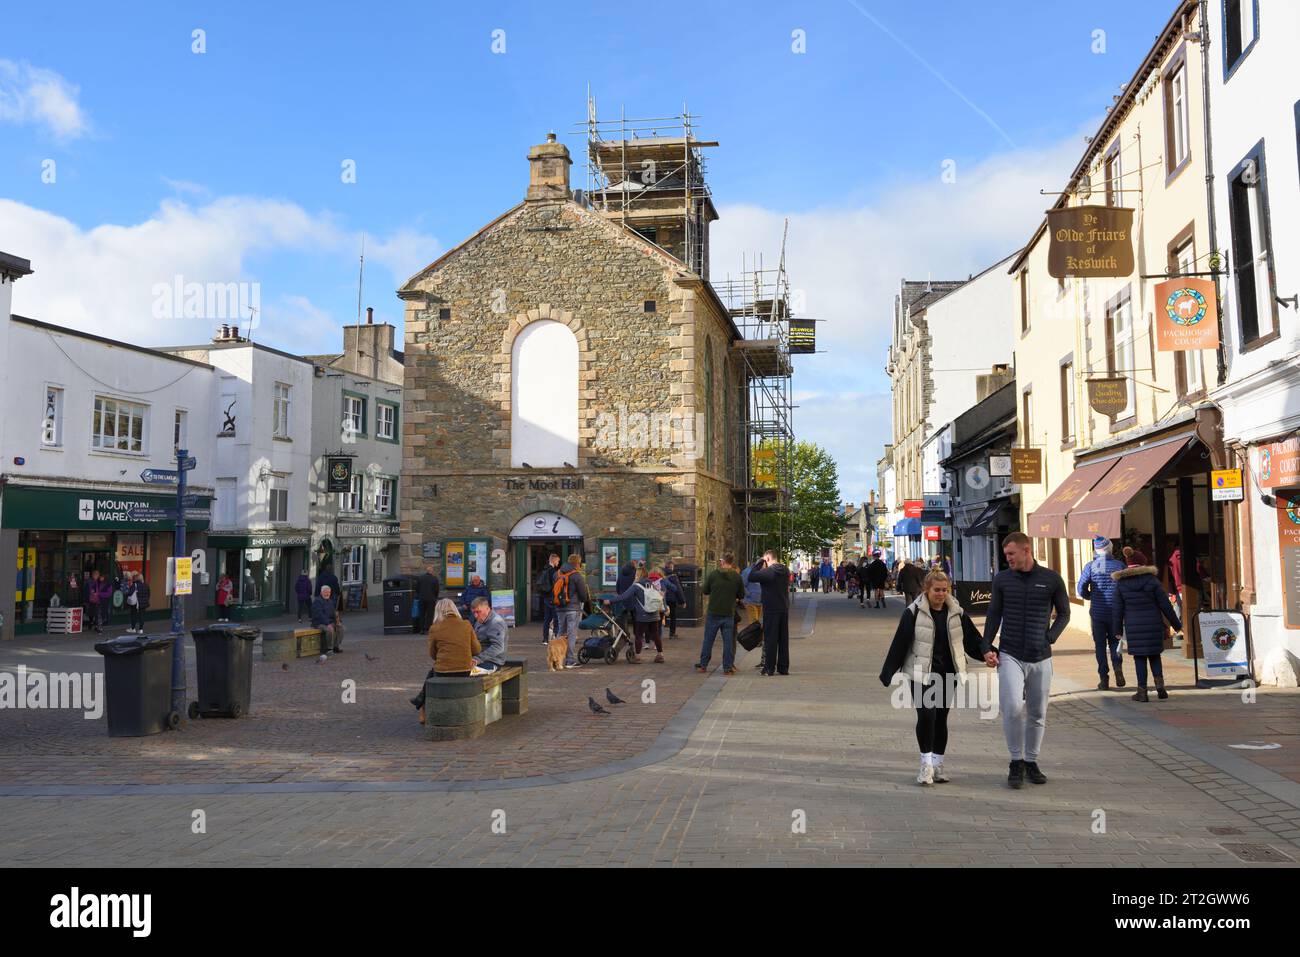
x: 287, y: 644
x: 460, y: 708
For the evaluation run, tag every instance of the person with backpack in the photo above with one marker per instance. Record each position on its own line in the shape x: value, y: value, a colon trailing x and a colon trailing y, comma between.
x: 1097, y: 587
x: 647, y: 604
x: 545, y: 585
x: 674, y: 596
x: 569, y: 592
x: 877, y: 576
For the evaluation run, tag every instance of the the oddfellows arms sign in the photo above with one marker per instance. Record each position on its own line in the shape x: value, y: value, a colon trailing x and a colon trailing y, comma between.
x: 1095, y: 241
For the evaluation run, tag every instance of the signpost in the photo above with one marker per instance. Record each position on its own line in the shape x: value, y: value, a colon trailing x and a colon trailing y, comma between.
x: 160, y: 476
x: 1225, y: 485
x: 184, y: 463
x: 1026, y: 466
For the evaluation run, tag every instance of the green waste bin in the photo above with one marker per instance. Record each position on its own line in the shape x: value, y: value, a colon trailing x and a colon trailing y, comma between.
x: 223, y: 656
x: 138, y: 685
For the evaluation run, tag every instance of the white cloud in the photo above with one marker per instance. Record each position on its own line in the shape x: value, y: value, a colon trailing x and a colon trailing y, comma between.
x: 107, y: 279
x: 32, y: 95
x: 847, y: 263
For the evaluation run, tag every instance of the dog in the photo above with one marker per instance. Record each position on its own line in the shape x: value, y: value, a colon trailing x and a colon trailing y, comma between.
x: 556, y: 649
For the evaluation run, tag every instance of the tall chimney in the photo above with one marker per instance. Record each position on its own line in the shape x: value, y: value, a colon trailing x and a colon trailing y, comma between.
x: 548, y: 172
x: 370, y: 315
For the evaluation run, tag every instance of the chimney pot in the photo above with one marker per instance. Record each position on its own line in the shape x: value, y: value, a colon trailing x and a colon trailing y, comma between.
x: 370, y: 315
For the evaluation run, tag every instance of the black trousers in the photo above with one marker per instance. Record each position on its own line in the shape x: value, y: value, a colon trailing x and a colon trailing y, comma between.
x: 672, y: 620
x: 776, y: 641
x: 426, y: 616
x: 931, y: 719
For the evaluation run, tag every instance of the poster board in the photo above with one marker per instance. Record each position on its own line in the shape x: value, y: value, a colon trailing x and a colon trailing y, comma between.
x: 503, y: 603
x: 454, y: 573
x: 1224, y: 644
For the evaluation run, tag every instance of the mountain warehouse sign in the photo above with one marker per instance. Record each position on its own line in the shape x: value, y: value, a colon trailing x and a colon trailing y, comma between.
x: 56, y: 508
x: 1092, y: 241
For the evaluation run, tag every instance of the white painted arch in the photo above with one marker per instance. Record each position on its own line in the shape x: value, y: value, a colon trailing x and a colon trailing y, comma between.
x: 544, y: 396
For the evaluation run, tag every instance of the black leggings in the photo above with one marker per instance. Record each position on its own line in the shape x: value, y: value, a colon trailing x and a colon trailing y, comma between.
x: 931, y: 722
x: 1157, y: 669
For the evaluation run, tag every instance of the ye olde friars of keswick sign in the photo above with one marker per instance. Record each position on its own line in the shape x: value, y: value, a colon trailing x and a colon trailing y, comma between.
x: 1094, y: 241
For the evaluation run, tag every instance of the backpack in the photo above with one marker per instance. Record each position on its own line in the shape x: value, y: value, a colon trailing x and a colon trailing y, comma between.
x: 560, y: 588
x: 652, y: 600
x: 545, y: 580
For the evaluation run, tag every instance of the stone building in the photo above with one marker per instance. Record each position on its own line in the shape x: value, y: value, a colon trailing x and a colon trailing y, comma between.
x: 570, y: 385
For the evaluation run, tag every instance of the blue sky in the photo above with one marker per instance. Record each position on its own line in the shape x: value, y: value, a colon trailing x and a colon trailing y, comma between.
x: 229, y: 161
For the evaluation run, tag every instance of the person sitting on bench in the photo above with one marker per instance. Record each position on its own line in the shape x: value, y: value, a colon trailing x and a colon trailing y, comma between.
x: 452, y: 646
x: 325, y: 616
x: 475, y: 591
x: 492, y: 635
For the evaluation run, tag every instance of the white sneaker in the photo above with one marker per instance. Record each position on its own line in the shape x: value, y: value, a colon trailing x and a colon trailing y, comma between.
x: 926, y: 775
x: 940, y: 776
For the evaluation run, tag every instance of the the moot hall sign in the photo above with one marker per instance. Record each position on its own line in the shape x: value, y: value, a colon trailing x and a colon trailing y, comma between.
x: 1095, y: 241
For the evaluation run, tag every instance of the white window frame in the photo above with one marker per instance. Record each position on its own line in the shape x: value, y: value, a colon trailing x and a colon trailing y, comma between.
x: 1180, y: 116
x: 106, y: 405
x: 352, y: 565
x: 354, y: 499
x: 385, y: 494
x: 180, y: 429
x: 1190, y: 359
x: 1121, y: 320
x: 385, y: 425
x: 354, y: 416
x: 281, y: 397
x: 52, y: 420
x: 279, y: 491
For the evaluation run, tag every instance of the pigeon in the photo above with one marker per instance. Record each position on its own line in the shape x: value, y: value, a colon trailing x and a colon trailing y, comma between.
x: 613, y: 698
x: 370, y: 657
x: 595, y: 708
x: 285, y: 666
x: 321, y: 660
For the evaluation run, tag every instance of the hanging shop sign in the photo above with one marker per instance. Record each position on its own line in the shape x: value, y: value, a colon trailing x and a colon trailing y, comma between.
x: 1093, y: 241
x: 913, y: 507
x: 1279, y: 463
x: 932, y: 533
x: 1288, y: 543
x: 1223, y: 642
x: 1186, y: 315
x: 803, y: 336
x: 1108, y: 396
x: 1027, y: 466
x: 1225, y: 485
x: 338, y: 472
x: 1000, y: 466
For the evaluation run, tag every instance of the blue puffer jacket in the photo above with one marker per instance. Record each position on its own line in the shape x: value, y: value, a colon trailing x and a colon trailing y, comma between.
x: 1097, y: 587
x: 1141, y: 609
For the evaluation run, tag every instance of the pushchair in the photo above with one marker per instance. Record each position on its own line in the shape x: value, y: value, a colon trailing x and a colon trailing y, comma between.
x: 608, y: 638
x: 854, y: 587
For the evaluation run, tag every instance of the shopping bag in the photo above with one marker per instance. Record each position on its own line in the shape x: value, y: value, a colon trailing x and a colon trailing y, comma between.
x: 751, y: 636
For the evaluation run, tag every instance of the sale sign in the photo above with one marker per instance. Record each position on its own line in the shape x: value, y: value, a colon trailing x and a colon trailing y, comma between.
x: 1186, y: 315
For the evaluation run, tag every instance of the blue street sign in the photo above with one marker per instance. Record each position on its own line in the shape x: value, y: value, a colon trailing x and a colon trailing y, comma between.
x: 160, y: 476
x: 190, y: 501
x: 190, y: 463
x: 142, y: 513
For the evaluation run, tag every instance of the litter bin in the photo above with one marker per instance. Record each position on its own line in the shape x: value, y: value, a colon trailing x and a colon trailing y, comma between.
x: 138, y: 685
x: 689, y: 575
x: 224, y: 661
x: 398, y: 592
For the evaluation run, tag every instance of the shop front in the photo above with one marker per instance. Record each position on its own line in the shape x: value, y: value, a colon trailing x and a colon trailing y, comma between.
x: 537, y: 536
x: 261, y: 566
x: 54, y: 539
x: 365, y: 553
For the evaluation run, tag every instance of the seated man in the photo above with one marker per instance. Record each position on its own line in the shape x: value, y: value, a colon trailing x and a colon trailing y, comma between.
x: 475, y: 590
x: 325, y: 616
x: 491, y: 632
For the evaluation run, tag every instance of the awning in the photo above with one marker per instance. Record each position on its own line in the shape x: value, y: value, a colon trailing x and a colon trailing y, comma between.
x: 1048, y: 520
x: 908, y: 526
x: 985, y: 520
x: 1100, y: 513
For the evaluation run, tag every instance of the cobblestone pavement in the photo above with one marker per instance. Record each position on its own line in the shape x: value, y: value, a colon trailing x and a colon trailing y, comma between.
x: 813, y: 768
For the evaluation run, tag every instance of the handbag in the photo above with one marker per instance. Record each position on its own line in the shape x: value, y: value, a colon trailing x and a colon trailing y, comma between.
x: 751, y: 636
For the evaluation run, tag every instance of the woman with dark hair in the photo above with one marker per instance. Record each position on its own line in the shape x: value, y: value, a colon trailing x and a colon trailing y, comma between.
x: 1140, y: 609
x: 934, y: 637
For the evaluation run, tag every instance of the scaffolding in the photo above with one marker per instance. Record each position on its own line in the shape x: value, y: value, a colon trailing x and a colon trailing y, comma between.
x: 759, y: 304
x: 649, y: 174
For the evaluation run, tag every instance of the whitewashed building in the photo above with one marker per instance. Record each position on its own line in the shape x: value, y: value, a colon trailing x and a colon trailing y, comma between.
x: 85, y: 418
x: 1254, y: 107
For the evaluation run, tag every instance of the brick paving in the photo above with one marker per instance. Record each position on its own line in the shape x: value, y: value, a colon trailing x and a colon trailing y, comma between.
x: 813, y: 768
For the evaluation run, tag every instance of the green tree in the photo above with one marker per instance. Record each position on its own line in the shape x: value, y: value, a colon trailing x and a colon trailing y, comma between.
x: 814, y: 520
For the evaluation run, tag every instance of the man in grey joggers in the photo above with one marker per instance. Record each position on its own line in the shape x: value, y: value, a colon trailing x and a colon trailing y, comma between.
x: 1024, y: 597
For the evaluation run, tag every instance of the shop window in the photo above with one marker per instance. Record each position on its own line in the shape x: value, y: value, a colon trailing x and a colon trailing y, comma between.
x: 119, y: 426
x: 280, y: 410
x: 352, y: 565
x: 52, y: 425
x: 544, y: 396
x: 1252, y: 267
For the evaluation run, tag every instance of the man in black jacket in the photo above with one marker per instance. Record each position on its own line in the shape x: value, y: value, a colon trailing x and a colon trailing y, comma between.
x: 774, y: 578
x: 427, y: 587
x: 546, y: 592
x: 1024, y: 597
x: 877, y: 573
x: 910, y: 579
